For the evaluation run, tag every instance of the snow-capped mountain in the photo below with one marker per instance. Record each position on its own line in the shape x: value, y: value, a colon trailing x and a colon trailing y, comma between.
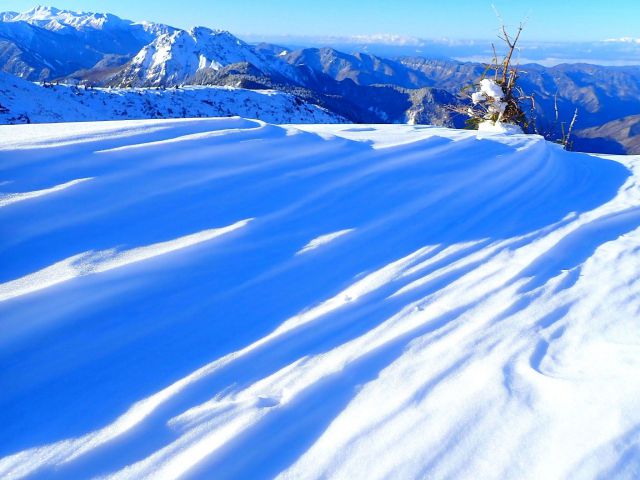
x: 68, y: 21
x: 177, y: 57
x: 46, y: 43
x: 56, y: 20
x: 34, y: 53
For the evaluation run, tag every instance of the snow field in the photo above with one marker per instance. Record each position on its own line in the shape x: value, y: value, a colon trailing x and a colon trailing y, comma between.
x: 229, y: 297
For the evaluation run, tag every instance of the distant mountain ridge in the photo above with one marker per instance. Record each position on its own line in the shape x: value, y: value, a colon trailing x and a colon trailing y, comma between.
x: 70, y: 22
x: 46, y: 43
x: 52, y: 45
x: 618, y: 136
x: 25, y: 102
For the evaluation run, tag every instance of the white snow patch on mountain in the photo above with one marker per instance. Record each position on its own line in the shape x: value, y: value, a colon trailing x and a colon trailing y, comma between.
x: 480, y: 319
x: 8, y: 16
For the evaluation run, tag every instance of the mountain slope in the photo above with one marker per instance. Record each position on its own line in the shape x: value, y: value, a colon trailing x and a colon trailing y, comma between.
x: 617, y: 136
x: 45, y: 43
x: 361, y: 68
x: 33, y: 53
x: 176, y: 58
x: 600, y: 93
x: 225, y: 298
x: 25, y: 102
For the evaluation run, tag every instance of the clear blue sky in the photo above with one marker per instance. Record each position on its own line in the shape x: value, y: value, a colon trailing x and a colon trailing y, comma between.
x: 572, y: 20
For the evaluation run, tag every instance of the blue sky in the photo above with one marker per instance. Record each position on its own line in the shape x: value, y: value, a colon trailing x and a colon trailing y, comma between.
x: 571, y: 20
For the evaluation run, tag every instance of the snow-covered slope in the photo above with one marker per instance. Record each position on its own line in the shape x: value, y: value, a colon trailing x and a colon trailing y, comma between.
x: 175, y: 58
x: 224, y: 298
x: 26, y: 102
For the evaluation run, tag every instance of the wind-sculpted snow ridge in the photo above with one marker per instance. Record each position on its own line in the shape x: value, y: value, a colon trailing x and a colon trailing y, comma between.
x: 465, y: 307
x: 323, y: 239
x: 9, y: 198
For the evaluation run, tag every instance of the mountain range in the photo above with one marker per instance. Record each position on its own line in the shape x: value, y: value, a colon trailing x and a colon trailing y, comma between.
x: 49, y: 45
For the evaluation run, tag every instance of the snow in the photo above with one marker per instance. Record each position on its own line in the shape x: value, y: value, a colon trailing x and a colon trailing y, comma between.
x: 491, y: 89
x: 174, y: 58
x: 9, y: 198
x: 469, y: 308
x: 54, y: 19
x: 28, y: 102
x: 323, y: 239
x: 8, y: 16
x: 95, y: 262
x: 491, y: 95
x: 477, y: 97
x: 106, y: 32
x: 488, y: 126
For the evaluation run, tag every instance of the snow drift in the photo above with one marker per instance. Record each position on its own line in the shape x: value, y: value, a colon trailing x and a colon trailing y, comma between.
x: 229, y: 298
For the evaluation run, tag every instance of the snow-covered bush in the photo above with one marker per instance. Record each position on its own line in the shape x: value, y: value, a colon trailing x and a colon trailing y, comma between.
x: 496, y: 100
x: 497, y: 103
x: 495, y: 106
x: 490, y: 97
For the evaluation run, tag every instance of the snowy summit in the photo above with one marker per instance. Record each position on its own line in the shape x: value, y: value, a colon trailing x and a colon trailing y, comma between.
x: 175, y: 57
